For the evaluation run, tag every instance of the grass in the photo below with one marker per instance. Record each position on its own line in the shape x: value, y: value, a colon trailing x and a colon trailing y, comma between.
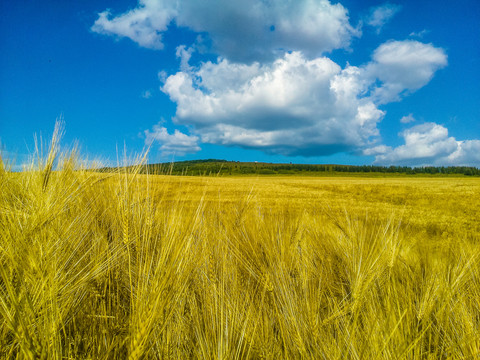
x: 117, y: 265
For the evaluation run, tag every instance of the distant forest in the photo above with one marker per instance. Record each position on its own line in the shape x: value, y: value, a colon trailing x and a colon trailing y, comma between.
x: 224, y: 167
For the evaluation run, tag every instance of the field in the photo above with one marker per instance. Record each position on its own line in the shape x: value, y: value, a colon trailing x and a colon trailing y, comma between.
x: 116, y: 265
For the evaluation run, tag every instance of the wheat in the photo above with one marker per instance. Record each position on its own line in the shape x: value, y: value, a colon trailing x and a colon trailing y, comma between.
x: 126, y: 265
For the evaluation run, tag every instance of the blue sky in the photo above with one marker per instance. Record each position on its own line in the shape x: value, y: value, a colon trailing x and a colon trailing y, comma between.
x: 309, y: 81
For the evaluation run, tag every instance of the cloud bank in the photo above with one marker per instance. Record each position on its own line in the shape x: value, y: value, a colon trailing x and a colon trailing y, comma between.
x: 296, y: 105
x: 273, y: 88
x: 242, y: 31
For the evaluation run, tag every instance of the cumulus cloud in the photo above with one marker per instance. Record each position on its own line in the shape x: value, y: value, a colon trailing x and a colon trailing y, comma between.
x: 407, y: 119
x: 293, y: 106
x: 144, y: 24
x: 403, y: 67
x: 271, y: 88
x: 381, y: 15
x: 297, y: 105
x: 239, y: 30
x: 429, y: 144
x: 177, y: 143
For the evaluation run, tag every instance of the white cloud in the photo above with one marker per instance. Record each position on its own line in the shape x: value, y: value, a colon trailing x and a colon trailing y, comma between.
x: 162, y: 76
x: 144, y: 24
x: 270, y: 88
x: 407, y: 119
x: 293, y: 106
x: 429, y: 144
x: 419, y: 34
x: 239, y: 30
x: 297, y: 106
x: 403, y: 67
x: 377, y: 150
x: 177, y: 143
x: 147, y: 94
x: 467, y: 153
x: 184, y: 54
x: 381, y: 15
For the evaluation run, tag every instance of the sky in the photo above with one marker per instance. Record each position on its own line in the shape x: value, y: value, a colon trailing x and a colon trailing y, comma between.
x: 306, y: 81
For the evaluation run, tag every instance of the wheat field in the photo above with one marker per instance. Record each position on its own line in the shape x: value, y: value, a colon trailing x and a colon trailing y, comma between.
x: 129, y: 266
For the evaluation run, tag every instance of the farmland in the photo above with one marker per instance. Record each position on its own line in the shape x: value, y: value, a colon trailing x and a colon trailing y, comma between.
x: 128, y: 265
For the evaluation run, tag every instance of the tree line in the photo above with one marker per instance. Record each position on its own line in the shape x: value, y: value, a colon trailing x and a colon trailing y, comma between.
x: 224, y: 167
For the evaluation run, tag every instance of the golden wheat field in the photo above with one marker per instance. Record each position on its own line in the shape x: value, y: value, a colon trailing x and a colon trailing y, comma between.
x: 129, y: 266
